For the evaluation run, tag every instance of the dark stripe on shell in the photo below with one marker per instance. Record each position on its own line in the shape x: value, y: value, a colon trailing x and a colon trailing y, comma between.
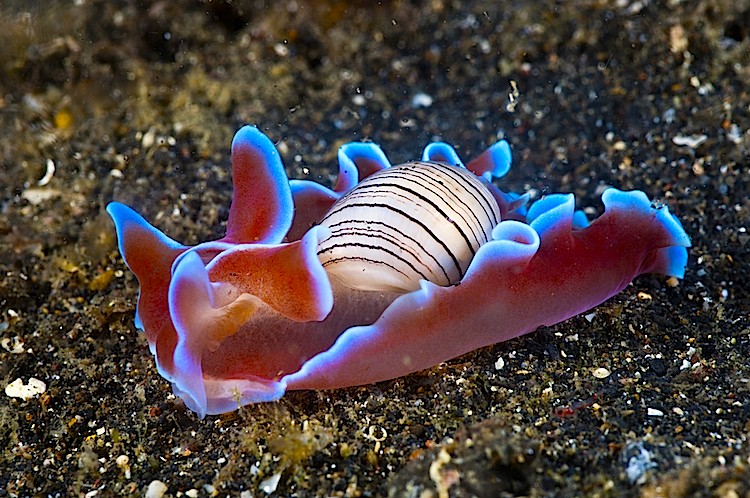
x: 407, y: 216
x: 428, y: 201
x: 478, y: 191
x: 438, y: 182
x: 374, y: 248
x: 337, y: 229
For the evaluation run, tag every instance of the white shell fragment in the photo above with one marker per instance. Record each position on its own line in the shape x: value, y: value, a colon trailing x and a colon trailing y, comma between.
x: 48, y: 174
x: 13, y: 345
x: 691, y: 141
x: 411, y: 222
x: 156, y: 489
x: 17, y: 389
x: 269, y: 484
x: 601, y: 373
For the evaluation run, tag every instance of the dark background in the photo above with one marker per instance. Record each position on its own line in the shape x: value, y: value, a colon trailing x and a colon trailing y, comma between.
x: 138, y: 102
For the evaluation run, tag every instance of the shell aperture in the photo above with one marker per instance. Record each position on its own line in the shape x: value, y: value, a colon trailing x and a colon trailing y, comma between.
x: 415, y: 221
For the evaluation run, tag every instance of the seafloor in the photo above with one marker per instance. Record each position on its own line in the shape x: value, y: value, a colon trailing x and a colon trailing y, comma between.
x: 649, y: 395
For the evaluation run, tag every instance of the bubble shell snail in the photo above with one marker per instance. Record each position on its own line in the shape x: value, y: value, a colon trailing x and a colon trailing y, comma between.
x: 411, y: 222
x: 394, y: 270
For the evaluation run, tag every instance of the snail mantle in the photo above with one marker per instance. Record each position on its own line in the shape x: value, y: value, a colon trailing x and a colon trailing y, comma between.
x: 394, y: 270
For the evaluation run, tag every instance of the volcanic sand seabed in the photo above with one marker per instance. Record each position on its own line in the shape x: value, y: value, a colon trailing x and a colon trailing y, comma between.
x: 648, y: 395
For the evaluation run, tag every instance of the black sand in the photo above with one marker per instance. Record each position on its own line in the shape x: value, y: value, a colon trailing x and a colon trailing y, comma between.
x: 137, y: 102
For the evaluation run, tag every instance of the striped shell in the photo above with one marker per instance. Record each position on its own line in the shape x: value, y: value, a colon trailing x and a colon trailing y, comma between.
x: 418, y: 220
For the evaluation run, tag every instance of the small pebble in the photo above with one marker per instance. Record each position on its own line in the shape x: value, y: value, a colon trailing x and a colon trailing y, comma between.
x: 17, y: 389
x: 657, y: 366
x: 421, y: 100
x: 123, y: 461
x: 14, y: 346
x: 691, y: 141
x: 269, y: 484
x: 156, y: 489
x: 601, y: 373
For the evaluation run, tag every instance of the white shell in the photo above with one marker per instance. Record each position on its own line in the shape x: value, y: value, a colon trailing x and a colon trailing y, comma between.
x: 415, y: 221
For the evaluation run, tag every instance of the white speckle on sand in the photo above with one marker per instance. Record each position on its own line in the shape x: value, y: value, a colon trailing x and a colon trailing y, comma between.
x: 156, y: 489
x: 17, y: 389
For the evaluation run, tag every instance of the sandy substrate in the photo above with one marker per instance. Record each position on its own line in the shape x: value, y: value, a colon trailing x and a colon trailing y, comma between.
x: 648, y: 395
